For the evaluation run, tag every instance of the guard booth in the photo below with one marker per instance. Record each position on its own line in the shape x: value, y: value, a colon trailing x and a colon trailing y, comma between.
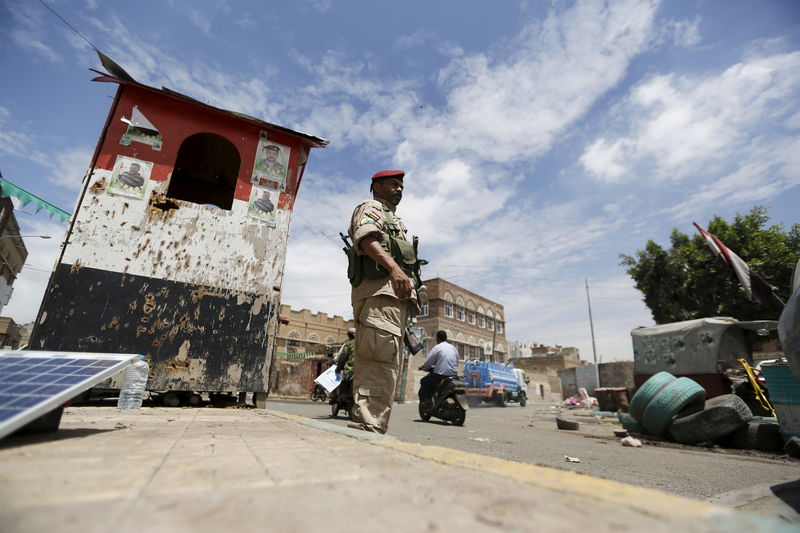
x: 701, y: 349
x: 176, y: 248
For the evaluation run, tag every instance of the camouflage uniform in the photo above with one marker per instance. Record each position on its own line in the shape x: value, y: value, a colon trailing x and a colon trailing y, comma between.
x: 381, y: 319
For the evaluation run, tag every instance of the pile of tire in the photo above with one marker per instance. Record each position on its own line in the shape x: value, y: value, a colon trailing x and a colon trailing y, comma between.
x: 676, y: 408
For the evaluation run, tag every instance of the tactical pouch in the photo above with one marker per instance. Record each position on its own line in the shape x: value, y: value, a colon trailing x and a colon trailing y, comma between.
x: 354, y: 273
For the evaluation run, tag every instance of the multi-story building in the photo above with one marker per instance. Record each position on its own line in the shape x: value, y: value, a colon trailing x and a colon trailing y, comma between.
x: 474, y: 324
x: 304, y: 331
x: 12, y: 250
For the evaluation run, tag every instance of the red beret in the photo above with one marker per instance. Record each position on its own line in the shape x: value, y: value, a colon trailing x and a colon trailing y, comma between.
x: 389, y: 174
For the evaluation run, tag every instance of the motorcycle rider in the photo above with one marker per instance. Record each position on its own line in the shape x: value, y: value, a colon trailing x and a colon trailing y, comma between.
x: 442, y: 361
x: 344, y: 359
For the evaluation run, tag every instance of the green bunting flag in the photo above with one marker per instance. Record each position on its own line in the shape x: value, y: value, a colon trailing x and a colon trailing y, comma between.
x: 9, y: 189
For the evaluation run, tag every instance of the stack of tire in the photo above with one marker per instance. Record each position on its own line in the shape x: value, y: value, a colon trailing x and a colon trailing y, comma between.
x: 676, y: 408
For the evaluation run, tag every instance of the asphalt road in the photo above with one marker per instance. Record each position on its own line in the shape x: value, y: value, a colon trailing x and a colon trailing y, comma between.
x: 529, y: 434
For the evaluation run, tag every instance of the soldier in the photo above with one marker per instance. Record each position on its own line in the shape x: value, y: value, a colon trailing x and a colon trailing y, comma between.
x: 270, y: 161
x: 382, y: 265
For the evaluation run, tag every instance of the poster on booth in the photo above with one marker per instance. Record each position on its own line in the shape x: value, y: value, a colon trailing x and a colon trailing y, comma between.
x: 271, y: 165
x: 141, y: 130
x: 262, y: 205
x: 129, y: 177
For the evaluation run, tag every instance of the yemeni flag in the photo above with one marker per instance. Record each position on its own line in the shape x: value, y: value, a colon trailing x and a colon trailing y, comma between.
x: 757, y: 289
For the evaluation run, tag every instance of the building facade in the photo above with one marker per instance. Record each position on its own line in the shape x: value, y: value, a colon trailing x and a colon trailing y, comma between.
x: 12, y: 250
x: 475, y: 325
x: 548, y: 362
x: 10, y: 333
x: 303, y: 331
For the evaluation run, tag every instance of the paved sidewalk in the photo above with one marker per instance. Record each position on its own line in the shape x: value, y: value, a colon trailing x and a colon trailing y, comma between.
x: 157, y: 469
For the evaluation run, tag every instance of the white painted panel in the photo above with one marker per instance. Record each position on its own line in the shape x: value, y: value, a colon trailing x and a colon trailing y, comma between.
x: 190, y: 243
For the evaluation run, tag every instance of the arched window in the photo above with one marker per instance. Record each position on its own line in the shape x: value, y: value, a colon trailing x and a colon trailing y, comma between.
x: 330, y: 339
x: 448, y: 305
x: 313, y: 337
x: 294, y: 334
x: 205, y: 171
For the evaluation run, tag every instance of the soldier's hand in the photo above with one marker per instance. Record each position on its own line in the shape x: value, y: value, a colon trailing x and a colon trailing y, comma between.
x: 401, y: 284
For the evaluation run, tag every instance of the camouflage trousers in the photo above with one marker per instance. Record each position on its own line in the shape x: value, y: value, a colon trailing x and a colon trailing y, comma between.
x: 378, y: 358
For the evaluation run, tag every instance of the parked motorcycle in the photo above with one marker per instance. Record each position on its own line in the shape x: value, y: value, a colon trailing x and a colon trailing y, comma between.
x: 449, y: 402
x: 318, y: 394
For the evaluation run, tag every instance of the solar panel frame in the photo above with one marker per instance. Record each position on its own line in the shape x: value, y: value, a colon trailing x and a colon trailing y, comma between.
x: 59, y: 377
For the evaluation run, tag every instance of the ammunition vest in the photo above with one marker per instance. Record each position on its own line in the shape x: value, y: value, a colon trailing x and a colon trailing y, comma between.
x: 404, y: 253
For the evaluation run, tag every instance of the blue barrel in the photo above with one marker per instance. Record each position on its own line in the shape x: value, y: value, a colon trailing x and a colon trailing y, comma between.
x: 784, y: 395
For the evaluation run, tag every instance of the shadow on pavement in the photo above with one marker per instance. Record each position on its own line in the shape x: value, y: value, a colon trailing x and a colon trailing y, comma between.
x: 14, y: 441
x: 789, y: 493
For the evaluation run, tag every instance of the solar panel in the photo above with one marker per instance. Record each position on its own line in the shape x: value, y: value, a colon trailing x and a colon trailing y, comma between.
x: 34, y: 383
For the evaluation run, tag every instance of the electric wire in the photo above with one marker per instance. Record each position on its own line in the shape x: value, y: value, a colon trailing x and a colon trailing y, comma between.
x: 70, y: 26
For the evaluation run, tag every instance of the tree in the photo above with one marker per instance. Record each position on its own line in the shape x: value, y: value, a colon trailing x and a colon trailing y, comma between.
x: 687, y: 281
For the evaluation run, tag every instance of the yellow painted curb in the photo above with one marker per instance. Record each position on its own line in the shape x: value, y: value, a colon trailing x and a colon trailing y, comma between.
x: 648, y: 501
x: 594, y: 488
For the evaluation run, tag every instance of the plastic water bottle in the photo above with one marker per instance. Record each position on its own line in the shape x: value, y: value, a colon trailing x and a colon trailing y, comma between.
x: 134, y: 379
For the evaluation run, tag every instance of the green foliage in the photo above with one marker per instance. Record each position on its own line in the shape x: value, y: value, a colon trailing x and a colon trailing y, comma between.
x: 687, y: 281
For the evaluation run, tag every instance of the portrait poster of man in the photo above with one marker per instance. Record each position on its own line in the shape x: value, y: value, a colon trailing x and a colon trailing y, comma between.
x: 141, y: 130
x: 272, y: 163
x: 129, y: 177
x: 263, y: 205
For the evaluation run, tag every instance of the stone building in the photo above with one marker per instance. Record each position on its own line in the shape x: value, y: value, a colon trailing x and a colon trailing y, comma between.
x: 540, y: 361
x: 10, y: 333
x: 12, y: 250
x: 475, y: 326
x: 305, y: 331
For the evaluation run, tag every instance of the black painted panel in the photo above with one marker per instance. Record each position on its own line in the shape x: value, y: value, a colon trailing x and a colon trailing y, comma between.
x: 91, y: 310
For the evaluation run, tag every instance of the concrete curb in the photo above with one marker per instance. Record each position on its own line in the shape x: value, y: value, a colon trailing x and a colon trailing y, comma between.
x: 647, y: 501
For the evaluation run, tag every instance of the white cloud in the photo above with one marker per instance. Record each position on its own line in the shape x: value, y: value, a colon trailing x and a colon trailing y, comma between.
x: 415, y: 39
x: 702, y: 128
x: 66, y: 166
x: 29, y: 32
x: 69, y: 166
x: 208, y: 83
x: 29, y: 41
x: 463, y: 195
x: 768, y: 170
x: 684, y: 32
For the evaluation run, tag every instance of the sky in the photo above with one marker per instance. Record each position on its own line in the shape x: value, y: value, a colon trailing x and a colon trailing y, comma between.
x: 540, y: 139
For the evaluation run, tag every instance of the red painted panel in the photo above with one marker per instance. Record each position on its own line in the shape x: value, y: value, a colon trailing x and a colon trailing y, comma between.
x: 178, y: 119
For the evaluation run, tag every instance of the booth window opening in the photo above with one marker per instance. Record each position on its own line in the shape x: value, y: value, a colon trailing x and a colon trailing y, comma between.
x: 205, y: 171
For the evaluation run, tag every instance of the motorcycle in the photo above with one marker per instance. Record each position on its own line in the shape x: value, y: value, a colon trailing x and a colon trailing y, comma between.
x: 318, y: 394
x: 449, y: 402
